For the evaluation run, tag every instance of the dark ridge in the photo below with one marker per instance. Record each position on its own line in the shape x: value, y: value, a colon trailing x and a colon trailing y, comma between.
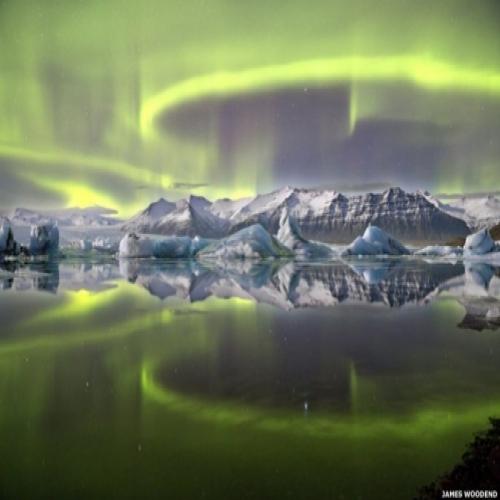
x: 479, y: 469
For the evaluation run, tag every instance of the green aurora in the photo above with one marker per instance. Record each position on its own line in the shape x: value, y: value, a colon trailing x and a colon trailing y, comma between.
x: 116, y: 103
x: 90, y: 364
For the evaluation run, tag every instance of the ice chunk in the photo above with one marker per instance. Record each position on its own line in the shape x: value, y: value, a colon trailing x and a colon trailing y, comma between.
x: 360, y: 247
x: 44, y: 239
x: 8, y: 245
x: 375, y: 242
x: 85, y: 245
x: 289, y: 235
x: 198, y: 244
x: 169, y: 247
x: 173, y: 247
x: 380, y: 239
x: 133, y: 246
x: 105, y: 245
x: 440, y: 251
x: 479, y: 243
x: 249, y: 243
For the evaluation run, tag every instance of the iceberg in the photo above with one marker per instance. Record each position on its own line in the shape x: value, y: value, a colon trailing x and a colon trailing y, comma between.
x: 44, y: 239
x: 252, y: 242
x: 289, y: 235
x: 440, y: 251
x: 85, y: 245
x: 173, y: 247
x: 105, y: 245
x: 169, y: 247
x: 8, y: 245
x: 133, y: 246
x: 375, y: 242
x: 479, y: 243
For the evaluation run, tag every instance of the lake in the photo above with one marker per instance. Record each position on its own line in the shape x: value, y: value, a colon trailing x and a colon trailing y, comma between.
x: 345, y: 379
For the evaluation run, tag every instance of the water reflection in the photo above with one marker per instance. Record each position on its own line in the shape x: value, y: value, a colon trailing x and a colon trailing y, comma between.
x: 358, y: 366
x: 42, y: 276
x: 286, y: 285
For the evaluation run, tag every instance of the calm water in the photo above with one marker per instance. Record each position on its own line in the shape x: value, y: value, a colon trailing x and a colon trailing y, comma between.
x: 179, y: 380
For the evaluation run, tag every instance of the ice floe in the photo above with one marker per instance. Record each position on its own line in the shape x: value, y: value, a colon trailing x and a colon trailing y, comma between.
x: 252, y: 242
x: 375, y: 241
x: 44, y: 239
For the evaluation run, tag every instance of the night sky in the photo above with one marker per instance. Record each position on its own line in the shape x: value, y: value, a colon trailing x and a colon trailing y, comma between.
x: 118, y: 102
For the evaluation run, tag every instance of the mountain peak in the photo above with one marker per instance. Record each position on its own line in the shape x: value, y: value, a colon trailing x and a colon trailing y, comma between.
x: 159, y: 208
x: 394, y: 192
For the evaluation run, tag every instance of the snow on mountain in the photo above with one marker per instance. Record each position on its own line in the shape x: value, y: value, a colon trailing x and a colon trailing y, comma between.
x: 226, y: 208
x: 329, y: 216
x: 476, y: 211
x: 320, y: 215
x: 191, y: 217
x: 90, y: 216
x: 263, y: 205
x: 143, y: 221
x: 187, y: 217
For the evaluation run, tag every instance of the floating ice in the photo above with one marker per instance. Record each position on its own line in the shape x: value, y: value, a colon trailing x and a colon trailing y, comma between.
x: 479, y: 243
x: 85, y: 245
x: 133, y: 246
x: 8, y: 245
x: 169, y: 247
x: 289, y: 235
x: 44, y: 239
x: 249, y: 243
x: 105, y: 245
x: 375, y: 242
x: 440, y: 251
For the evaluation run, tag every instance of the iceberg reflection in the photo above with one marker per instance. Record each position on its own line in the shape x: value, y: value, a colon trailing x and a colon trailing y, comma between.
x: 283, y: 284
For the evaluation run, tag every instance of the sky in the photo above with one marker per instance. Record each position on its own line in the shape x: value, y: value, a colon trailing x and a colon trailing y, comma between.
x: 119, y: 102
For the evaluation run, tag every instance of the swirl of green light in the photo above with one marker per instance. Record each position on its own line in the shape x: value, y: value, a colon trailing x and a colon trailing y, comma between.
x: 425, y: 72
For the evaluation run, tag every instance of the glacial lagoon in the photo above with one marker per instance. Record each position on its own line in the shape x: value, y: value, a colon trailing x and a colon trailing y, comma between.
x: 358, y: 378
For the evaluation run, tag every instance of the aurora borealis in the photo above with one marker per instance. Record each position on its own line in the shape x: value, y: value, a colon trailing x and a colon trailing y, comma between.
x: 117, y: 103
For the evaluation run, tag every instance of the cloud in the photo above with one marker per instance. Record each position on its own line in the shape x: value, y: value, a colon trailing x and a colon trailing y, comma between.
x: 361, y: 187
x: 188, y: 185
x: 472, y: 194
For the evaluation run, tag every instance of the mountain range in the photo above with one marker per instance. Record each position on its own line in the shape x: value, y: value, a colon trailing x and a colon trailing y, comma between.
x: 95, y: 216
x: 319, y: 214
x: 322, y: 215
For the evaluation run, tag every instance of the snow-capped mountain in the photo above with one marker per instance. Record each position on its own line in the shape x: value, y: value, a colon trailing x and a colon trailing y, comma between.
x: 143, y: 221
x: 225, y: 207
x: 187, y: 217
x: 90, y: 216
x: 322, y: 215
x: 476, y: 211
x: 332, y: 217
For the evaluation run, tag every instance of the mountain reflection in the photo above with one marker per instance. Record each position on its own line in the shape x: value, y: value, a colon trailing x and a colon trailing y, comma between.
x: 293, y: 285
x: 286, y: 285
